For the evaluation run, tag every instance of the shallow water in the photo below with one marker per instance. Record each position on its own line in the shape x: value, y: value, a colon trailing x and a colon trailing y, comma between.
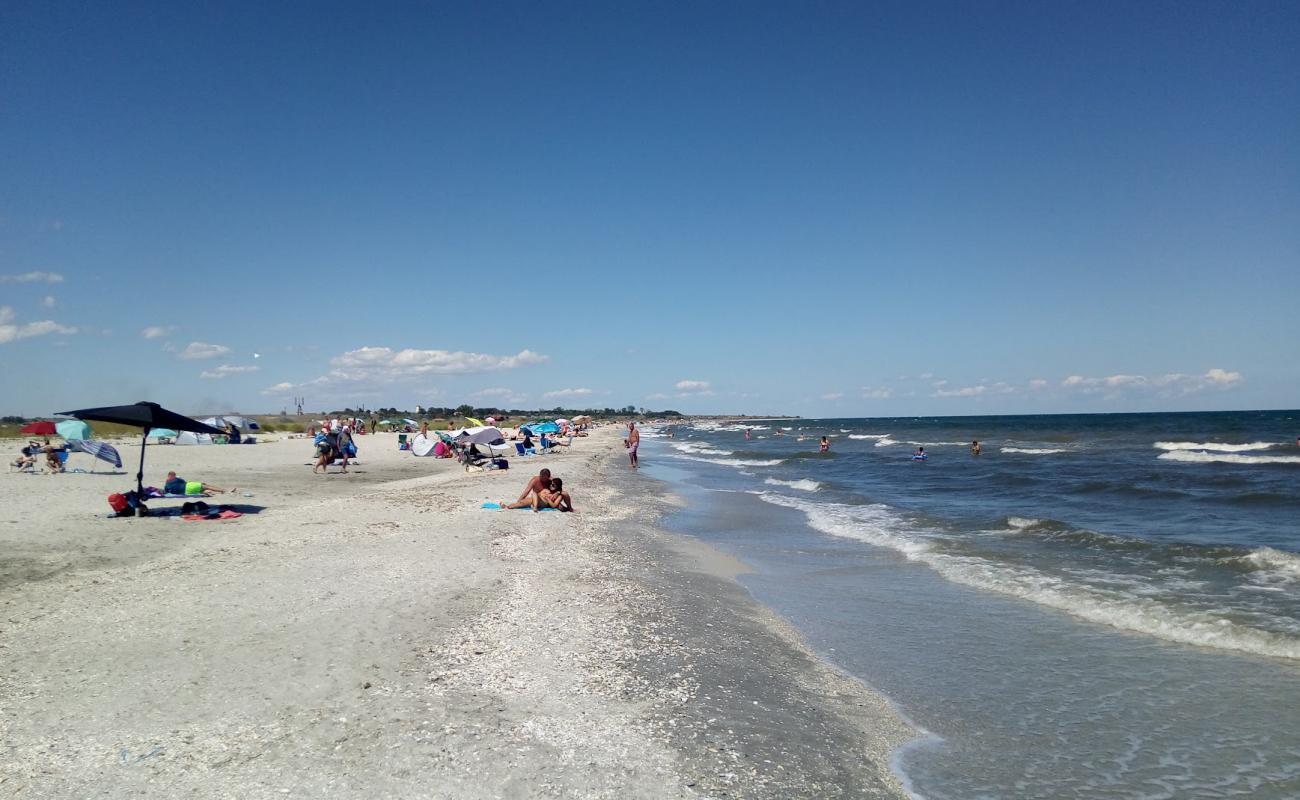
x: 1096, y: 621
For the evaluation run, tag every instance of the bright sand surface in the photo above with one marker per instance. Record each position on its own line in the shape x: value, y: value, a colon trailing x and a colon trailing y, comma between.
x: 377, y: 634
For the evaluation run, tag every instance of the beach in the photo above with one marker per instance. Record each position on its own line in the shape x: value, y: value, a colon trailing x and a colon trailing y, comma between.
x: 378, y: 634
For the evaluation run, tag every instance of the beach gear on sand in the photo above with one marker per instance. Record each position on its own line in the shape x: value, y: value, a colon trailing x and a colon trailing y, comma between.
x: 141, y: 415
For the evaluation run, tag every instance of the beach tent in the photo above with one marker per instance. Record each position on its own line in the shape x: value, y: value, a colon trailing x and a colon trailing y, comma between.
x: 160, y: 433
x: 144, y: 416
x: 424, y: 445
x: 542, y: 427
x: 190, y: 438
x: 73, y: 430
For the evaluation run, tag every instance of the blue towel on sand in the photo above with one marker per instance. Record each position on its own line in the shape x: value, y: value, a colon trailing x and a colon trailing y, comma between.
x: 497, y: 506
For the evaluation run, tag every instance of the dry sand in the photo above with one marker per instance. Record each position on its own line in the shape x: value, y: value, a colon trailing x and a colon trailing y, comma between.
x: 377, y: 634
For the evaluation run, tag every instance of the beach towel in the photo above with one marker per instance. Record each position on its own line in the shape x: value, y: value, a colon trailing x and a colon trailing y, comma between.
x: 497, y: 506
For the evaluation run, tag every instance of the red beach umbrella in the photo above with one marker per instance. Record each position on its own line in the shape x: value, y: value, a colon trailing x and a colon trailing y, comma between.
x: 39, y: 429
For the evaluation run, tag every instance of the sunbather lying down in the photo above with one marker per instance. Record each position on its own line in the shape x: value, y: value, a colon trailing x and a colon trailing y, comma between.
x: 177, y: 485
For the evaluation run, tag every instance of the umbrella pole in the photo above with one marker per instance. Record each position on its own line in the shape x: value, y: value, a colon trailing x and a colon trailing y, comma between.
x: 139, y: 476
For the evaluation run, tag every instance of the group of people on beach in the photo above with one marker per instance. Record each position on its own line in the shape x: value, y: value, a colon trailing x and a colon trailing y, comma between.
x: 27, y: 456
x: 542, y: 491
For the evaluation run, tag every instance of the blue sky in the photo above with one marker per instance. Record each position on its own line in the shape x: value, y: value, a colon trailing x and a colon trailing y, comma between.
x: 811, y: 208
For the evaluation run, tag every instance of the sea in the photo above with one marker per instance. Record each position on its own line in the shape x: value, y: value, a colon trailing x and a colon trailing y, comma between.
x: 1094, y: 606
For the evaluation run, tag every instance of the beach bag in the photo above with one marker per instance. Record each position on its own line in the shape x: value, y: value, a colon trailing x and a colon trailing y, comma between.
x: 501, y: 463
x: 117, y: 502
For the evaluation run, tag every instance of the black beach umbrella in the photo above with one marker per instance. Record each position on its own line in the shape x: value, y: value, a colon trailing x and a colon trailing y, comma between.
x: 141, y: 415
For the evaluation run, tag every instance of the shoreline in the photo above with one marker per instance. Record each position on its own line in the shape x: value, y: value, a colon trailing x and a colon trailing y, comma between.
x: 387, y: 637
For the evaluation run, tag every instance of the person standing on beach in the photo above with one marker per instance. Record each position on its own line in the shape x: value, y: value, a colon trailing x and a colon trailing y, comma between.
x: 633, y: 442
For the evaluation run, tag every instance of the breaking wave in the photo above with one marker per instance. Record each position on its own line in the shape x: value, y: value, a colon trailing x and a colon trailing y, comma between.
x: 1201, y: 457
x: 1105, y: 603
x: 804, y: 485
x: 1035, y: 451
x: 868, y: 435
x: 1217, y: 446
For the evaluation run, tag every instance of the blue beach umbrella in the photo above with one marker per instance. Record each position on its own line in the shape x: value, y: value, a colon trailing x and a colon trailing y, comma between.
x: 73, y: 430
x: 162, y: 433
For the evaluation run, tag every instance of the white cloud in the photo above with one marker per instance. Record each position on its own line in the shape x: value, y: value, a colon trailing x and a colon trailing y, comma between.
x: 11, y: 331
x: 569, y: 393
x: 385, y: 361
x: 1038, y: 383
x: 284, y: 388
x: 226, y: 370
x: 965, y: 391
x: 939, y: 384
x: 1169, y: 384
x: 833, y: 396
x: 507, y: 396
x: 48, y: 301
x: 33, y: 277
x: 877, y: 394
x: 156, y: 331
x: 693, y: 386
x: 377, y: 366
x: 200, y: 350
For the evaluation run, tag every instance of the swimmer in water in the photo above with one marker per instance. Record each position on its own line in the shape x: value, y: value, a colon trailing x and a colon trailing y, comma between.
x: 920, y: 453
x: 826, y: 445
x: 975, y: 448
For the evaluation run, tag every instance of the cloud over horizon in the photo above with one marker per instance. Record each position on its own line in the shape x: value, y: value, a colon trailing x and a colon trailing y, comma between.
x: 381, y: 366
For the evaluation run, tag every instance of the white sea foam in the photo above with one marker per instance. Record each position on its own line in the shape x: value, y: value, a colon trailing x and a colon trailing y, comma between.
x: 732, y: 462
x: 885, y: 441
x: 804, y: 485
x: 880, y: 526
x: 868, y: 435
x: 1020, y: 523
x: 1220, y: 447
x: 699, y: 449
x: 1201, y: 457
x: 1035, y: 451
x: 1280, y: 563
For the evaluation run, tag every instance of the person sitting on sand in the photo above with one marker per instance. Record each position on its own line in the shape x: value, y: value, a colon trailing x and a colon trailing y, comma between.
x: 178, y: 485
x: 540, y: 483
x: 52, y: 461
x: 27, y: 456
x: 553, y: 496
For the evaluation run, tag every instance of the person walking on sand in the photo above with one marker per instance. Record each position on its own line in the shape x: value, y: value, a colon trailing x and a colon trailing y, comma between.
x: 539, y: 483
x: 345, y: 441
x: 633, y: 442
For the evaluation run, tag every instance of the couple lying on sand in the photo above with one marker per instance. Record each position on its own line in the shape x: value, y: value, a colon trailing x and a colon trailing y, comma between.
x: 541, y: 492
